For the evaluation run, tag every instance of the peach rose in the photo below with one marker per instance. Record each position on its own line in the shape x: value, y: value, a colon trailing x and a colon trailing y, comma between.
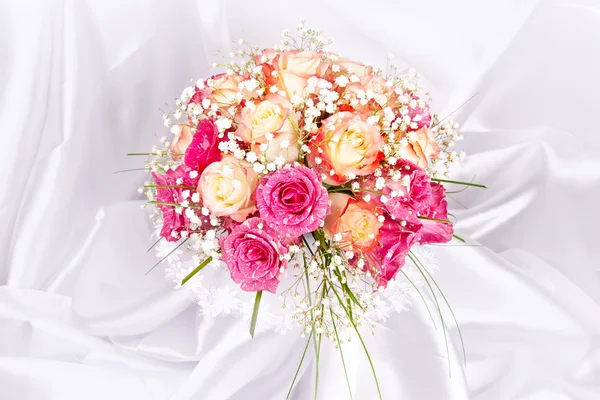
x: 294, y: 67
x: 182, y: 140
x: 355, y: 221
x: 382, y: 94
x: 283, y: 144
x: 227, y: 188
x: 225, y: 89
x: 421, y: 148
x: 346, y: 144
x: 353, y: 67
x: 268, y: 116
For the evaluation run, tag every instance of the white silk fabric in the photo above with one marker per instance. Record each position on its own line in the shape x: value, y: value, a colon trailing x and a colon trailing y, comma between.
x: 82, y: 84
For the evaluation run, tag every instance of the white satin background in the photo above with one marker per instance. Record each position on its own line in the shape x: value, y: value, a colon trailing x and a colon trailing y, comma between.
x: 82, y: 82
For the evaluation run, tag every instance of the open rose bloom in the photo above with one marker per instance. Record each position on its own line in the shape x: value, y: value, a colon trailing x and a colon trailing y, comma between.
x: 308, y: 175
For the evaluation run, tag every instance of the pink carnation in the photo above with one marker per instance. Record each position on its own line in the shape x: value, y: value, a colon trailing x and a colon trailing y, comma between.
x: 254, y: 255
x: 437, y: 207
x: 412, y: 192
x: 293, y: 200
x: 204, y: 147
x: 171, y: 186
x: 389, y: 256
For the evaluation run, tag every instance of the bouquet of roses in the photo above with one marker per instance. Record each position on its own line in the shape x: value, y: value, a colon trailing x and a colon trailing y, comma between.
x: 298, y: 165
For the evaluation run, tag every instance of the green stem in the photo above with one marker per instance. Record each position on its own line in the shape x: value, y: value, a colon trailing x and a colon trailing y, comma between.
x: 196, y: 270
x: 360, y: 338
x: 255, y: 313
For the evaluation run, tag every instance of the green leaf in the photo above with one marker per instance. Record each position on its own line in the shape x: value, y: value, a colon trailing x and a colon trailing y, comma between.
x: 196, y: 270
x: 459, y: 183
x: 255, y: 313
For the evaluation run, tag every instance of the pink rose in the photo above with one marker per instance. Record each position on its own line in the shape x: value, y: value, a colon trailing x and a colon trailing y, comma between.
x: 437, y: 207
x: 269, y: 116
x: 294, y: 67
x: 345, y: 144
x: 421, y: 148
x: 406, y: 197
x: 254, y: 255
x: 182, y: 140
x: 389, y: 256
x: 171, y: 191
x: 355, y: 221
x: 292, y: 200
x: 227, y: 188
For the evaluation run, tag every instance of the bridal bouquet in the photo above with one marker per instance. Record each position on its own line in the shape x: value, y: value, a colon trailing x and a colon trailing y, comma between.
x: 310, y: 176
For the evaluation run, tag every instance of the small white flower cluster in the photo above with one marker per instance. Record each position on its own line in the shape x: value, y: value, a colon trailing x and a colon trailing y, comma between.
x: 446, y: 135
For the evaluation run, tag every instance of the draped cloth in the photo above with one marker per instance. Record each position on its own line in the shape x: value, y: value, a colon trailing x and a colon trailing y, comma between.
x: 82, y: 84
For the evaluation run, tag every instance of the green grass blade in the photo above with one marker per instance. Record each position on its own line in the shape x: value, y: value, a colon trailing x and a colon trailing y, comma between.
x: 459, y: 183
x: 196, y: 270
x: 459, y: 238
x: 155, y: 243
x: 129, y: 170
x: 422, y: 298
x: 361, y: 341
x: 341, y: 353
x: 462, y: 342
x: 413, y: 259
x: 165, y: 257
x: 299, y: 366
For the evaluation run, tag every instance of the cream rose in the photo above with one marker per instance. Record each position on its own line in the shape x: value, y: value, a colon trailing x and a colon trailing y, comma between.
x: 294, y: 67
x: 355, y: 222
x: 182, y: 141
x: 421, y: 148
x: 268, y: 116
x: 227, y: 189
x: 283, y: 144
x: 225, y: 89
x: 345, y: 145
